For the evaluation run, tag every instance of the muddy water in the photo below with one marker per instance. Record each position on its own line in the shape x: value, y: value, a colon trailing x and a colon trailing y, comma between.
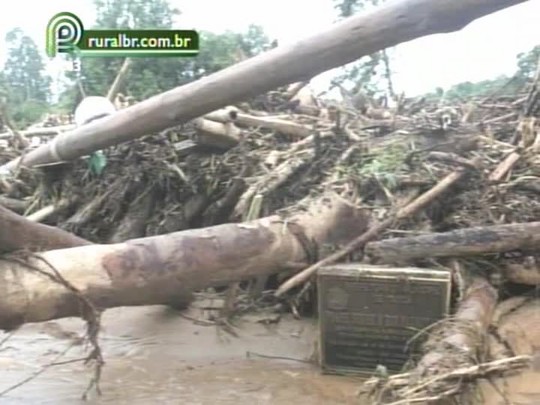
x: 155, y: 355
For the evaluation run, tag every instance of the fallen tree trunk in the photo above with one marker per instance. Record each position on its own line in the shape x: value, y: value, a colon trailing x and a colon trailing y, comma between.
x: 164, y: 269
x: 343, y: 42
x: 461, y: 242
x: 464, y: 335
x: 17, y: 232
x: 13, y: 204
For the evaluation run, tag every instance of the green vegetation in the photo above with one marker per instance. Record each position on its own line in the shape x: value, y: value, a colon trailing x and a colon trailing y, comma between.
x: 371, y: 74
x: 28, y: 89
x: 25, y: 87
x: 505, y: 85
x: 23, y: 82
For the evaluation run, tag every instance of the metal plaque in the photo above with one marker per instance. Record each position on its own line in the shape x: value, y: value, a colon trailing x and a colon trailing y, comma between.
x: 368, y: 314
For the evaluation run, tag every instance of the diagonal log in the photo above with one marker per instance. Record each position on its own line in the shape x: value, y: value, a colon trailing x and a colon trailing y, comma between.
x: 165, y: 269
x: 388, y: 25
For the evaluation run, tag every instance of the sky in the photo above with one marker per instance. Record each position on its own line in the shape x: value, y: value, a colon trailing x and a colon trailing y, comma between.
x: 484, y: 49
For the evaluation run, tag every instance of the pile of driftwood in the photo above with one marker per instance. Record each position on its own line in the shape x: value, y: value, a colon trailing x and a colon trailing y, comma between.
x: 258, y: 195
x: 276, y: 184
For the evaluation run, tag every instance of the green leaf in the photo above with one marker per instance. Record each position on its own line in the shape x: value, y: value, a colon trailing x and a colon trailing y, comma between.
x: 97, y: 163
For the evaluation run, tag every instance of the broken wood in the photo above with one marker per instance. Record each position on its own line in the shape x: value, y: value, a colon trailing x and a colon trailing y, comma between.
x: 358, y: 243
x: 19, y: 138
x: 119, y: 79
x: 164, y: 269
x: 13, y: 204
x: 452, y: 352
x: 48, y: 210
x: 211, y: 133
x: 46, y: 131
x: 133, y: 224
x: 526, y: 272
x: 17, y: 233
x: 227, y: 114
x: 461, y: 242
x: 285, y: 127
x: 343, y: 42
x: 273, y: 180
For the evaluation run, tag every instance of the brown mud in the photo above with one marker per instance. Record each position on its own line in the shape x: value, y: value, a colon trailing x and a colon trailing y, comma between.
x: 154, y: 354
x: 158, y: 355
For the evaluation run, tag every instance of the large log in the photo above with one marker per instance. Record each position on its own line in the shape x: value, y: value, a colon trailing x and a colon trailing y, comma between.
x: 165, y: 269
x: 348, y: 40
x: 462, y: 242
x: 13, y: 204
x: 17, y: 232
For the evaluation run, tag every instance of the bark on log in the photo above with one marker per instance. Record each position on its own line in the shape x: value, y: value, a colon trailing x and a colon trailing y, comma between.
x: 13, y: 204
x: 453, y: 351
x: 343, y: 42
x: 463, y: 338
x: 17, y: 232
x: 462, y: 242
x: 462, y: 344
x: 163, y: 269
x: 133, y: 224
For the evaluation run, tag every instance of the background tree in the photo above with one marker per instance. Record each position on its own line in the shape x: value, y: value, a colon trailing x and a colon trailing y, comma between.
x: 150, y: 76
x: 25, y: 83
x: 371, y: 74
x: 509, y: 85
x: 527, y: 62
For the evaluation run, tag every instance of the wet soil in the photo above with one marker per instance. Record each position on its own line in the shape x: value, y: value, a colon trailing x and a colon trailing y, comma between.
x: 157, y: 355
x: 154, y: 355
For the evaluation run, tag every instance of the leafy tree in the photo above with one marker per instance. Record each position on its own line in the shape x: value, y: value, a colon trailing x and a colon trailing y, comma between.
x: 149, y: 76
x: 526, y: 68
x: 527, y: 62
x: 372, y: 73
x: 25, y: 83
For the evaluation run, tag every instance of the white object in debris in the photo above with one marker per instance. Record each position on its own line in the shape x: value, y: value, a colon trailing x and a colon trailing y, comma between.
x: 35, y: 141
x: 91, y: 108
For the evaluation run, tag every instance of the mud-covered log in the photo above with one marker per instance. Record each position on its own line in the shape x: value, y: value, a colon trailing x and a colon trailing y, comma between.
x: 13, y: 204
x: 462, y: 341
x: 462, y: 242
x: 164, y: 269
x: 17, y: 233
x: 344, y: 42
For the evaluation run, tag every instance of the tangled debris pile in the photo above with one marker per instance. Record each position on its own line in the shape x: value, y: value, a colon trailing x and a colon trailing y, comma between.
x: 270, y: 154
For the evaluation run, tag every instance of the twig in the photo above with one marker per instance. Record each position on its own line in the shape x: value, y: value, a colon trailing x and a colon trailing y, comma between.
x: 90, y: 314
x: 118, y: 80
x: 264, y: 356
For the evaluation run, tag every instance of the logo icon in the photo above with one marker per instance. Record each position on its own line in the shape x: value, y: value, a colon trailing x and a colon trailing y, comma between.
x: 64, y: 32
